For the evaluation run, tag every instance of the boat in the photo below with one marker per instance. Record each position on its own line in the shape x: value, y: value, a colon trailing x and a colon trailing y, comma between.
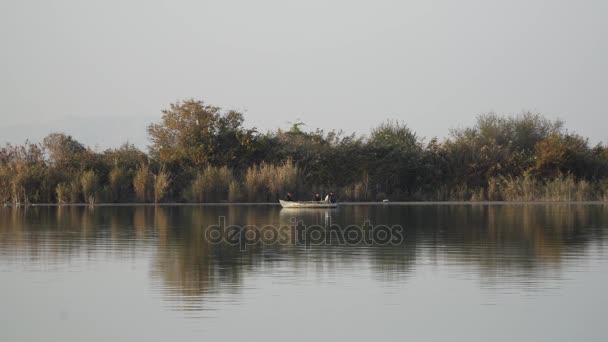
x: 307, y: 204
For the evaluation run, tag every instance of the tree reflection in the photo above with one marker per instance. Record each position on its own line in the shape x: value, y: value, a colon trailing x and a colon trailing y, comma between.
x: 500, y: 243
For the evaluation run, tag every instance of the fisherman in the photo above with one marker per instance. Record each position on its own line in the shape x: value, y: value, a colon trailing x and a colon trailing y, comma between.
x: 317, y: 198
x: 289, y: 197
x: 330, y: 198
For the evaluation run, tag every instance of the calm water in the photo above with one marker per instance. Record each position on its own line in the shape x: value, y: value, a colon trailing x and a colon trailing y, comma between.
x: 462, y: 273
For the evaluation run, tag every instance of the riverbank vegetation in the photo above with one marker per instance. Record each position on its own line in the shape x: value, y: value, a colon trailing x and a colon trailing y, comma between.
x: 201, y: 153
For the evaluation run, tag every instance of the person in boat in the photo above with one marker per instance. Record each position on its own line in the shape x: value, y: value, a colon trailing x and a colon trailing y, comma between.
x: 317, y: 198
x: 330, y: 198
x: 289, y: 197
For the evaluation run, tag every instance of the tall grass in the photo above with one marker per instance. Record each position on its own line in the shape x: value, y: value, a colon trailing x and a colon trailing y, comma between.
x: 142, y: 183
x: 118, y: 183
x: 358, y: 191
x: 63, y: 193
x: 89, y: 182
x: 602, y: 188
x: 528, y: 188
x: 212, y: 185
x: 24, y: 183
x: 162, y: 180
x: 234, y: 192
x: 75, y: 190
x: 266, y: 182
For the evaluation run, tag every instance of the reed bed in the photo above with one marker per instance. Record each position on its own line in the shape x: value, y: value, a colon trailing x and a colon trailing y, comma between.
x: 267, y: 183
x: 162, y: 180
x: 213, y: 184
x: 528, y: 188
x: 142, y: 183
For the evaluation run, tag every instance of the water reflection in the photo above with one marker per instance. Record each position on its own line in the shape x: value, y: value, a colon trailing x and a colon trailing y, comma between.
x: 501, y: 245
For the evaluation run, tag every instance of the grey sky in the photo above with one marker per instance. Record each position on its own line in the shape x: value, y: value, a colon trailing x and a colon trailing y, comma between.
x: 79, y: 65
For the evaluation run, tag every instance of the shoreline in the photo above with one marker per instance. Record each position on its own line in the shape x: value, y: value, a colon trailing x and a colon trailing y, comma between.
x: 396, y: 203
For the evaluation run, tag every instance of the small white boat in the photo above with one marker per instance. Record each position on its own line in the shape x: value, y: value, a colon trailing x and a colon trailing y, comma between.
x: 307, y: 204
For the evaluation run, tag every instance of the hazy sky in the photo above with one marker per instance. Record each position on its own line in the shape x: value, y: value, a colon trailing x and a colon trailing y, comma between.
x: 80, y: 66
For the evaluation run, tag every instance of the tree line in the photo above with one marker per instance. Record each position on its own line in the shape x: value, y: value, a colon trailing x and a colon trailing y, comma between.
x: 202, y: 153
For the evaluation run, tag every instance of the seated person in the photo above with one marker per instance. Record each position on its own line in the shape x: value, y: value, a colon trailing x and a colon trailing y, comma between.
x: 330, y: 198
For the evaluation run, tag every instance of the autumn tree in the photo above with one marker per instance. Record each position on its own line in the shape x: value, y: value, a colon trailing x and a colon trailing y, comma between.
x: 64, y: 151
x: 192, y: 133
x: 566, y: 154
